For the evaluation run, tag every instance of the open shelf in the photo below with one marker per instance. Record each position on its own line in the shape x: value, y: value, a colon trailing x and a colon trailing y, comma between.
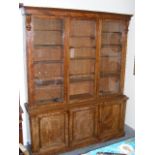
x: 110, y: 64
x: 81, y: 96
x: 110, y: 52
x: 49, y: 92
x: 102, y: 93
x: 109, y: 84
x: 42, y: 23
x: 48, y: 54
x: 81, y: 88
x: 82, y: 53
x: 48, y: 71
x: 83, y: 66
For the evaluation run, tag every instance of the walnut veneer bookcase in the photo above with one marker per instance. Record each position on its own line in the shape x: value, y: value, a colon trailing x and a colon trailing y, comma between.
x: 75, y: 68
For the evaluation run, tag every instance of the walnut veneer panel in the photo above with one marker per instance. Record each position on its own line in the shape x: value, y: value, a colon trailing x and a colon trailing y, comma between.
x: 83, y: 125
x: 111, y: 118
x: 50, y: 131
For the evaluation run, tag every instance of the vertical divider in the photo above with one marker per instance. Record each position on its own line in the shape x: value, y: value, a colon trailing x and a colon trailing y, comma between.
x: 66, y: 59
x: 98, y: 49
x: 30, y: 66
x: 123, y: 56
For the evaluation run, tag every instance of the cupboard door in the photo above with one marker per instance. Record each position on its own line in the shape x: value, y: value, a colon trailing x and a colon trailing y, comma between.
x: 50, y: 131
x: 111, y: 118
x: 111, y: 56
x: 48, y: 59
x: 83, y: 125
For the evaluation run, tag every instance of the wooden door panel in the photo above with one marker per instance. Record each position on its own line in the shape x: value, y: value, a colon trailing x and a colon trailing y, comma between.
x: 111, y: 118
x: 83, y: 125
x: 52, y: 131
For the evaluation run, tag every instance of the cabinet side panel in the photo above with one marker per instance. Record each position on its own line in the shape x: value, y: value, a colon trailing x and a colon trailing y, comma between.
x: 35, y: 134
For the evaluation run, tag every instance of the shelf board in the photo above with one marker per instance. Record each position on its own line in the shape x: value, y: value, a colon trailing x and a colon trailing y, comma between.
x: 107, y: 56
x: 47, y: 61
x: 81, y: 96
x: 47, y: 45
x: 56, y: 100
x: 48, y: 30
x: 102, y: 93
x: 103, y: 74
x: 82, y: 58
x: 48, y: 82
x: 91, y: 37
x: 113, y: 45
x: 72, y: 80
x: 86, y: 75
x: 82, y: 47
x: 111, y: 32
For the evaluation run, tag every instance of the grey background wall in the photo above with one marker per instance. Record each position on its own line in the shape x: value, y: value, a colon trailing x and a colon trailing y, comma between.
x: 119, y: 6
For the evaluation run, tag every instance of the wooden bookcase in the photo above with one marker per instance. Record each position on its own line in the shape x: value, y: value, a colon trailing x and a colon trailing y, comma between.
x: 75, y: 68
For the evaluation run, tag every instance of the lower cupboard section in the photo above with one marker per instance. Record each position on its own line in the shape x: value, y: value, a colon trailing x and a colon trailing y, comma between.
x: 61, y: 130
